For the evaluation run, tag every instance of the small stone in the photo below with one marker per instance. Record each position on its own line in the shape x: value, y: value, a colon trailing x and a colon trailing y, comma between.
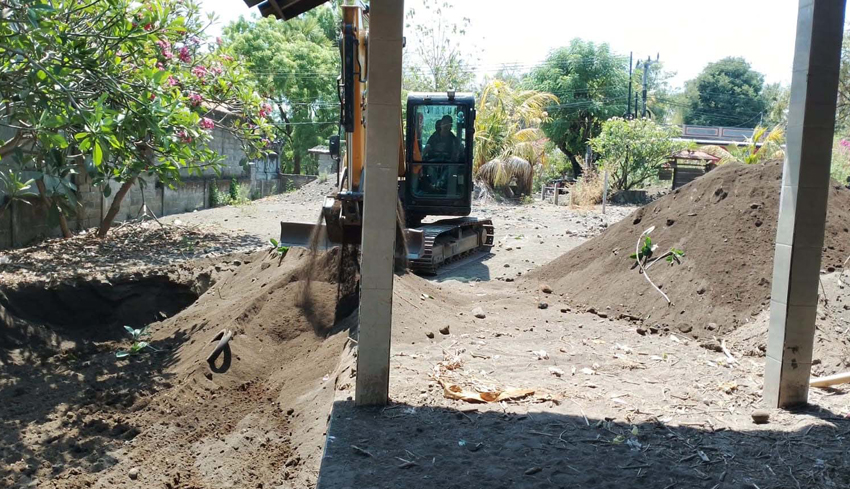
x: 711, y: 326
x: 290, y: 411
x: 430, y: 334
x: 760, y: 416
x: 670, y: 222
x: 479, y: 313
x: 545, y: 289
x: 444, y: 330
x: 542, y: 305
x: 565, y: 309
x: 134, y: 473
x: 685, y: 328
x: 641, y: 331
x: 603, y: 315
x: 208, y: 375
x: 507, y: 265
x: 509, y: 279
x: 755, y: 205
x: 701, y: 291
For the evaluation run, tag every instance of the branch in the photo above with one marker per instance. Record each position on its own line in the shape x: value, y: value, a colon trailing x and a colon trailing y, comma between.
x: 643, y: 270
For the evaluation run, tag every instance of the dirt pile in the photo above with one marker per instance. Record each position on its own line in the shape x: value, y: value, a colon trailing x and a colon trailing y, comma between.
x: 79, y: 417
x: 725, y: 222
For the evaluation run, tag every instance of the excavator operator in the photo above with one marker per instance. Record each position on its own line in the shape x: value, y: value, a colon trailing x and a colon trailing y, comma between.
x: 443, y: 145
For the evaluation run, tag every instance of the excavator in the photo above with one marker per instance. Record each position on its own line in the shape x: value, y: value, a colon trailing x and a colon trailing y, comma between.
x: 434, y: 168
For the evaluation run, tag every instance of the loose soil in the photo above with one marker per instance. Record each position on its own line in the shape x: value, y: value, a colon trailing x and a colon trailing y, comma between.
x: 725, y: 222
x: 611, y: 407
x: 75, y: 416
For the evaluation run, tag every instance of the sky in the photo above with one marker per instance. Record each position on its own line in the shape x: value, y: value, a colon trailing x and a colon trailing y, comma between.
x: 686, y: 34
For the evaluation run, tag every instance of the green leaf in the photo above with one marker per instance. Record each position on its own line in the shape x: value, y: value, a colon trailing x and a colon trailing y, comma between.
x: 121, y: 354
x: 274, y: 242
x: 129, y: 330
x: 97, y: 156
x: 107, y: 190
x: 41, y: 75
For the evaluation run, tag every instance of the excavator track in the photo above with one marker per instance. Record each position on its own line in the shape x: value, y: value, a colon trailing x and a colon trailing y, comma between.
x: 449, y: 240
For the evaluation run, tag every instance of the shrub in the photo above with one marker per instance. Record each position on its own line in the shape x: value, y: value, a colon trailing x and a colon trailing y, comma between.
x: 840, y: 169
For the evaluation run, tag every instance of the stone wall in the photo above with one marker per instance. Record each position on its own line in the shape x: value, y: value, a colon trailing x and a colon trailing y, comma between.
x: 24, y: 224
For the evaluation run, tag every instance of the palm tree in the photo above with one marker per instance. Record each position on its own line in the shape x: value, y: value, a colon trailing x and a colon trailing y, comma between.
x: 507, y: 127
x: 762, y: 147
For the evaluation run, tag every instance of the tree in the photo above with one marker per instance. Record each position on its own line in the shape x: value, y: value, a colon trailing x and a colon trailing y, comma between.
x: 508, y: 122
x: 777, y: 98
x: 119, y: 89
x: 297, y: 65
x: 441, y: 56
x: 727, y: 93
x: 842, y: 118
x: 592, y: 85
x: 632, y: 151
x: 763, y: 146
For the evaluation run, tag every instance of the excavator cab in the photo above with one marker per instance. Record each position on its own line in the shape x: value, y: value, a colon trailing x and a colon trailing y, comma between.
x: 438, y: 155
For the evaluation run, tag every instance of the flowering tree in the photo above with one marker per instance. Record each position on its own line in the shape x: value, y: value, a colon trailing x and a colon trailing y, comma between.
x: 120, y: 89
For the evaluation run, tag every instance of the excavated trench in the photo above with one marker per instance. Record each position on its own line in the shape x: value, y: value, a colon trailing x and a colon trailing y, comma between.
x: 98, y: 309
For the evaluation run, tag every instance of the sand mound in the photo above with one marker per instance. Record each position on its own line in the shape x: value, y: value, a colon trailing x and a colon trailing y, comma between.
x: 726, y: 224
x: 258, y: 415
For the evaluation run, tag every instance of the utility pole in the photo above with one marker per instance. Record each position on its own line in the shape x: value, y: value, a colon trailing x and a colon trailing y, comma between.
x: 629, y: 110
x: 646, y: 79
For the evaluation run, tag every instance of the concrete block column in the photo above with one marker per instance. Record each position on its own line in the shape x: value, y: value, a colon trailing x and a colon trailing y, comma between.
x: 383, y: 124
x: 803, y: 202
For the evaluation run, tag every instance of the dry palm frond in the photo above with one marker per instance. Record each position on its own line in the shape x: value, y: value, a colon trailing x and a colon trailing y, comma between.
x: 502, y: 173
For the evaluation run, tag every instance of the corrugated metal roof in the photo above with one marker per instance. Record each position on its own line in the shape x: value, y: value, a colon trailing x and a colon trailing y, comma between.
x: 284, y: 9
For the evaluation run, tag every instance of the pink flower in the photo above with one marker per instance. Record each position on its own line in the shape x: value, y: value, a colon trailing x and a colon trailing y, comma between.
x: 185, y: 55
x: 152, y: 97
x: 218, y: 41
x: 163, y: 44
x: 149, y: 27
x: 172, y: 81
x: 265, y: 110
x: 216, y: 70
x: 199, y: 71
x: 195, y: 99
x: 206, y: 123
x: 160, y: 66
x: 184, y: 137
x: 227, y: 57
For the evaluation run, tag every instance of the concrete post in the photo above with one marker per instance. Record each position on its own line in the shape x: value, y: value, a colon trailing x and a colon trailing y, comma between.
x: 383, y: 124
x: 803, y: 202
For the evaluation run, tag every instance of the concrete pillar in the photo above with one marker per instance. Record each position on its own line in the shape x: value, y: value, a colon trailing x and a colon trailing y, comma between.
x: 383, y: 124
x: 803, y: 202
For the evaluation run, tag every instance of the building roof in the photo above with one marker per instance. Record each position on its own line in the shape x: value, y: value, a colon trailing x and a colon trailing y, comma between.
x: 284, y: 9
x: 322, y: 150
x: 688, y: 154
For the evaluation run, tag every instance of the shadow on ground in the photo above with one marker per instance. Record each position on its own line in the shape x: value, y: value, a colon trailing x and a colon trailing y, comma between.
x: 66, y: 402
x: 424, y: 447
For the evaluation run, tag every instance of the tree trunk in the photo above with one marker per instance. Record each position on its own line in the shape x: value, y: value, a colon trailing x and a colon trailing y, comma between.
x: 114, y: 207
x: 296, y: 163
x: 577, y: 171
x: 48, y: 204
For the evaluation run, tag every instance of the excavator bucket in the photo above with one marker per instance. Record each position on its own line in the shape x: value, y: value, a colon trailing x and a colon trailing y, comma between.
x: 316, y: 237
x: 301, y: 234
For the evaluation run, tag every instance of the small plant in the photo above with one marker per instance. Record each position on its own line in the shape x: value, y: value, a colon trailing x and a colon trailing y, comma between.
x: 217, y: 199
x: 290, y: 187
x: 15, y: 189
x: 323, y: 178
x: 139, y: 342
x: 233, y: 191
x: 278, y: 248
x: 644, y: 249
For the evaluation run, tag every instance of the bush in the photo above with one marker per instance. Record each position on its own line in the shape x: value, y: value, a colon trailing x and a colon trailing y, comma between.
x: 840, y: 169
x: 233, y: 192
x: 217, y: 198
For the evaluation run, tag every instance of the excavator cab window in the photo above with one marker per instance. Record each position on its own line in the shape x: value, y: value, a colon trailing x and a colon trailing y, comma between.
x: 439, y: 152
